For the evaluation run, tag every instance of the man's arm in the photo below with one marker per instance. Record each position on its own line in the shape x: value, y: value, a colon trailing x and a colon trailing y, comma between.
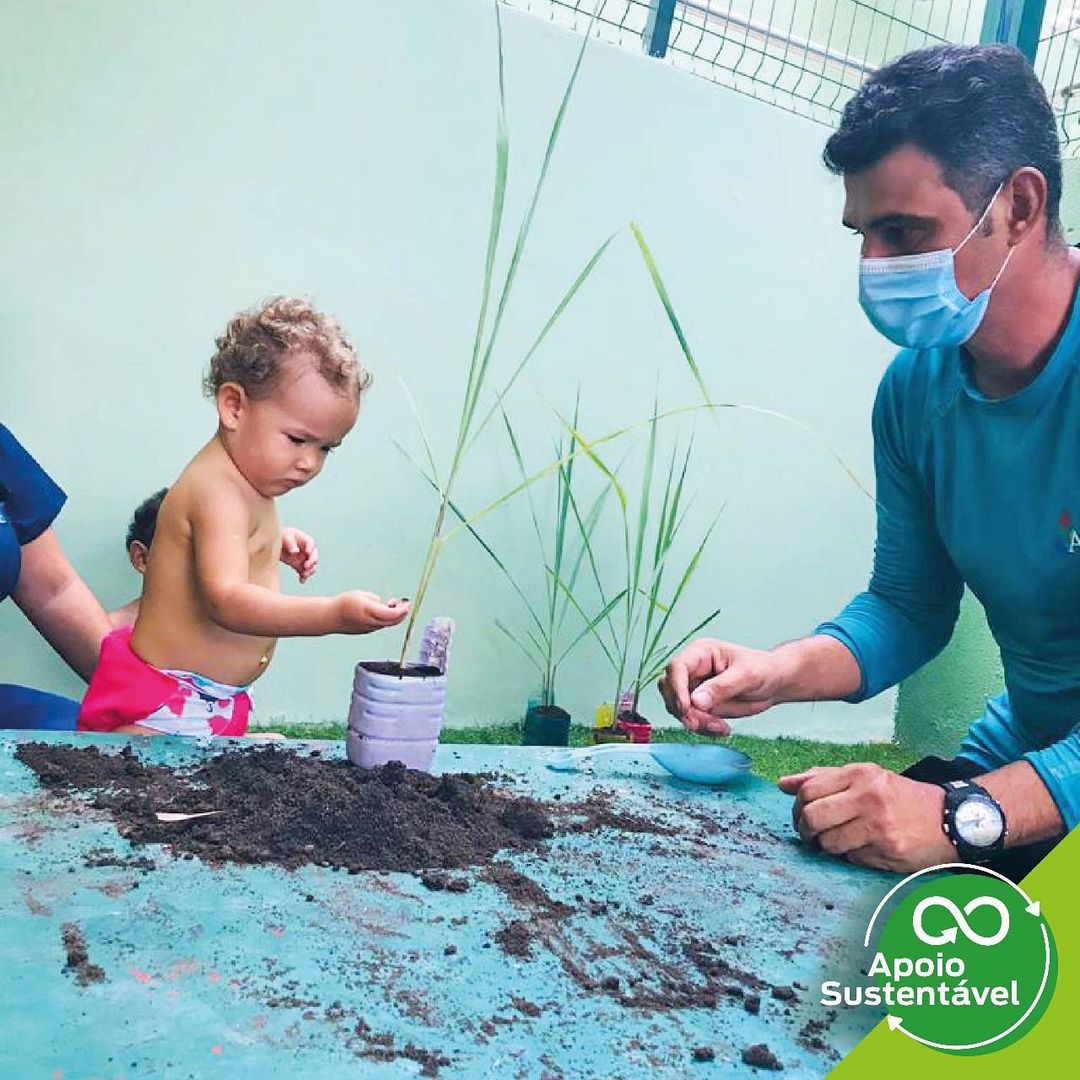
x: 711, y: 681
x: 907, y: 615
x: 58, y: 603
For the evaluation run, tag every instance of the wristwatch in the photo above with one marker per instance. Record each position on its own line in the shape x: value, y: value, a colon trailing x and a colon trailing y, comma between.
x: 974, y: 821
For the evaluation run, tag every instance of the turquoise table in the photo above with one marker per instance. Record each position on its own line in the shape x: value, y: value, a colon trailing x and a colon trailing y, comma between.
x: 242, y: 972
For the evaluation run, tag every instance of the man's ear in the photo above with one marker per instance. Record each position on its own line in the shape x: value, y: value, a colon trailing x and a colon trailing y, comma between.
x: 231, y: 403
x: 1027, y: 193
x: 137, y: 553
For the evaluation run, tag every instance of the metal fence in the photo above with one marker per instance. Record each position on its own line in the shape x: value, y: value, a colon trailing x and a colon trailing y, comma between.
x: 807, y: 56
x: 1058, y: 65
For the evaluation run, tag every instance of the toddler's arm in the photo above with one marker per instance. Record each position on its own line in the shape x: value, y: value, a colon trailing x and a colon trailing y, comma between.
x: 219, y: 529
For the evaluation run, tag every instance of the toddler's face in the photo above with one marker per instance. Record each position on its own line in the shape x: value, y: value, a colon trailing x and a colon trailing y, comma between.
x: 281, y: 442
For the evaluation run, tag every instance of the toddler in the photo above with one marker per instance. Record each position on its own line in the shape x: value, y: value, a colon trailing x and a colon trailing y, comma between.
x: 287, y: 386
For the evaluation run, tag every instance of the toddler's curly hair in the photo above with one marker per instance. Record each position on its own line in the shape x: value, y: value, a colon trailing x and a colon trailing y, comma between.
x: 253, y: 348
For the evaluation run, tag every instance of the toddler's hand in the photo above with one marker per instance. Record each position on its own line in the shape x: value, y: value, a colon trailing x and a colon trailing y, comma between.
x: 363, y: 612
x: 298, y: 550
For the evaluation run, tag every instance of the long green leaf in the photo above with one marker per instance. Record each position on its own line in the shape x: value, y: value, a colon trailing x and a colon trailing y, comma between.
x: 526, y: 223
x: 665, y: 299
x: 472, y: 382
x: 484, y: 545
x: 552, y: 320
x: 523, y: 472
x: 588, y: 448
x: 590, y: 626
x: 669, y: 650
x: 586, y: 527
x: 414, y: 408
x: 688, y: 573
x: 578, y: 608
x: 529, y: 656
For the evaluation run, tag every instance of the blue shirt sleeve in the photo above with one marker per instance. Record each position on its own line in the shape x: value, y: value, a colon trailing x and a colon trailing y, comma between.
x: 1058, y: 766
x: 29, y: 500
x: 907, y: 615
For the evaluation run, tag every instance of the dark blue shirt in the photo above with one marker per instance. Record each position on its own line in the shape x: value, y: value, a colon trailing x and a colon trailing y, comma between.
x: 29, y: 503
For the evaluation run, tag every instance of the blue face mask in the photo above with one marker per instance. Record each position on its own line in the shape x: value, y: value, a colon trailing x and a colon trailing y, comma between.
x: 914, y: 299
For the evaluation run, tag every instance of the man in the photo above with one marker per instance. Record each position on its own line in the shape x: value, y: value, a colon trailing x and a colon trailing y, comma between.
x: 952, y: 175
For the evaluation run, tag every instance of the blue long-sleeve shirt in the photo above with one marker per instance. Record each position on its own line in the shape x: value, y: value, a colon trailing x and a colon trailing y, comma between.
x: 983, y: 492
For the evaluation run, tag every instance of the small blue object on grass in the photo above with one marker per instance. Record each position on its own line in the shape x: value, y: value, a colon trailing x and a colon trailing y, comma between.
x: 711, y: 765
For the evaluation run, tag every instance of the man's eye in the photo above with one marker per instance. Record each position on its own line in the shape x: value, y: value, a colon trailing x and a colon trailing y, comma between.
x: 328, y: 449
x: 295, y: 440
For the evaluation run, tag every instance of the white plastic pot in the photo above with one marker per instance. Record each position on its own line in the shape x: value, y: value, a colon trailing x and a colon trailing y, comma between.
x: 395, y: 719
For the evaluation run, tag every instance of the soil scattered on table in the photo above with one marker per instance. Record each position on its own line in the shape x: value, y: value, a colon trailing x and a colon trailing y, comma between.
x: 703, y: 1053
x: 78, y: 959
x: 381, y: 1047
x: 761, y: 1057
x: 99, y: 857
x: 291, y: 809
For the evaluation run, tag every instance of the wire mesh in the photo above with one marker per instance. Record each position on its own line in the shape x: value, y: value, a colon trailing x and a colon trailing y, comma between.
x: 807, y: 56
x: 1058, y: 65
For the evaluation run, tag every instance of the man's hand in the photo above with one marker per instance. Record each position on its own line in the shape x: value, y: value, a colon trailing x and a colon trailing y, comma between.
x: 298, y: 550
x: 871, y: 816
x: 711, y: 681
x: 363, y: 612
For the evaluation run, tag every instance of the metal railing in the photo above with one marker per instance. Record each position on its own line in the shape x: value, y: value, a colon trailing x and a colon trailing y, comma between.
x: 807, y: 56
x: 1058, y: 65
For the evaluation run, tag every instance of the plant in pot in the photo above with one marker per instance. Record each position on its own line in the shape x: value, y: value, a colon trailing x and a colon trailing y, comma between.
x: 636, y: 634
x: 549, y: 634
x: 395, y: 703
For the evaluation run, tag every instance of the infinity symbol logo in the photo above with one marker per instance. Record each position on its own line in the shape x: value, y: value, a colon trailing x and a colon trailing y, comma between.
x: 961, y: 922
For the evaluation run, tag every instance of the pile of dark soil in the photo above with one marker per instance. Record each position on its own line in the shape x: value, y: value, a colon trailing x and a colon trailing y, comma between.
x: 280, y: 807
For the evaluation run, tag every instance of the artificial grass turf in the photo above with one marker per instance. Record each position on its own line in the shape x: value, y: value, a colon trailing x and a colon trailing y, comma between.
x: 772, y: 758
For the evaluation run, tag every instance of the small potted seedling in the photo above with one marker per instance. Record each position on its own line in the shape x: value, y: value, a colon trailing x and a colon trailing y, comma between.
x: 545, y: 639
x: 396, y: 712
x: 634, y: 633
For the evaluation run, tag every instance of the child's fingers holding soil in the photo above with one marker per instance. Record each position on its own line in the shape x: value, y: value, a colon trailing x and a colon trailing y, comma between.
x: 364, y: 612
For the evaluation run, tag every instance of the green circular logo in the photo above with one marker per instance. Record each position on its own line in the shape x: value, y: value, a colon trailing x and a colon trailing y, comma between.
x: 966, y: 964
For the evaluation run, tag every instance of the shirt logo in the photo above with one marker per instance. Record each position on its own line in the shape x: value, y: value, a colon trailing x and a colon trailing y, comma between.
x: 1068, y: 537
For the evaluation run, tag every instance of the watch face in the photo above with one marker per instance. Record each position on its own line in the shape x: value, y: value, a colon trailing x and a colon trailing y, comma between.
x: 978, y: 822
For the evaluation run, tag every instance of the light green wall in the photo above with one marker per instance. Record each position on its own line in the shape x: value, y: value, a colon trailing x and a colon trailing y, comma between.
x: 166, y: 164
x: 936, y: 706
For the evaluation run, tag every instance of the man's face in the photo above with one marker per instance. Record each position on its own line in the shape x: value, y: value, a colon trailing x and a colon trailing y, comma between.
x: 902, y: 206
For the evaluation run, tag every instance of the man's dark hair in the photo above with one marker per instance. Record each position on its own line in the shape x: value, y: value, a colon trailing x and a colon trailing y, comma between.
x: 144, y: 521
x: 978, y: 110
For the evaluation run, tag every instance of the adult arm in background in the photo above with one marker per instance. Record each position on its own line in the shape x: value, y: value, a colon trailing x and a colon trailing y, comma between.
x: 60, y: 605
